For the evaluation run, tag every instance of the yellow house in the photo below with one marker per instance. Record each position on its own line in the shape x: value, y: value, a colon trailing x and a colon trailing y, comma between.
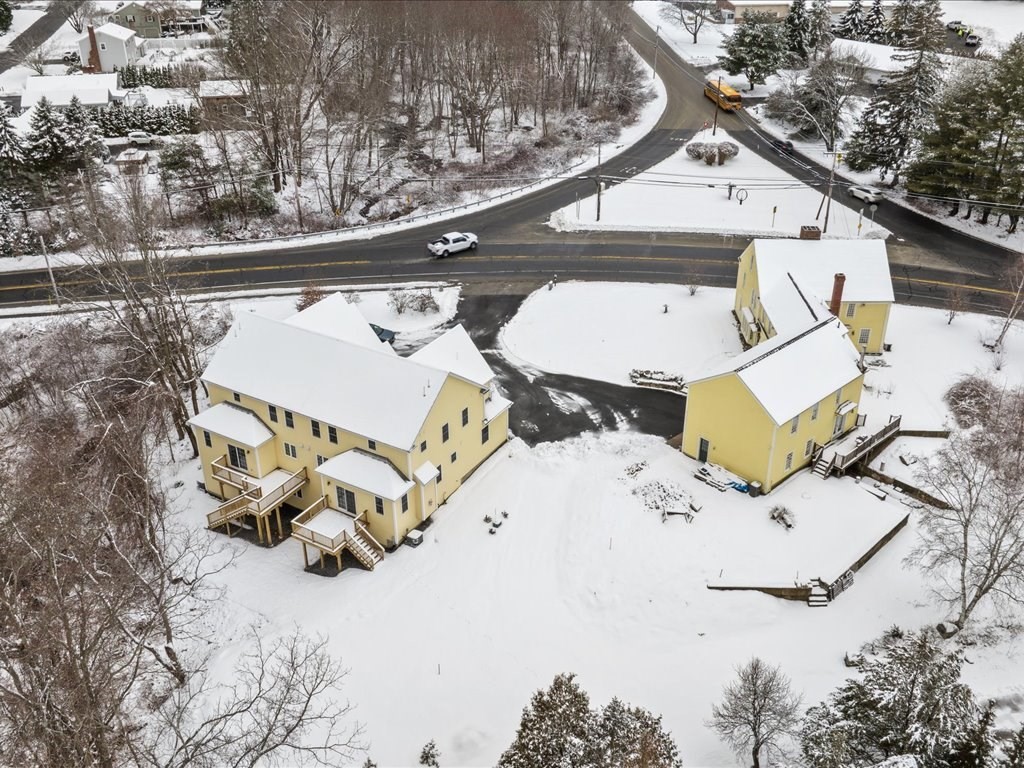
x: 317, y: 413
x: 763, y: 414
x: 772, y: 272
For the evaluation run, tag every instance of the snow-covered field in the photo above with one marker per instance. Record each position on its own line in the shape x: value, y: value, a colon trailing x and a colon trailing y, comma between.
x: 23, y: 19
x: 686, y: 195
x: 584, y: 575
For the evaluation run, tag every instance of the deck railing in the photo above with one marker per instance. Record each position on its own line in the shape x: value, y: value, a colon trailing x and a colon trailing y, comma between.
x: 851, y: 458
x: 226, y: 474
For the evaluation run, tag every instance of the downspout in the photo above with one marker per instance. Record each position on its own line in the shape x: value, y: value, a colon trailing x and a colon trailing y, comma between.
x: 394, y: 521
x: 771, y: 458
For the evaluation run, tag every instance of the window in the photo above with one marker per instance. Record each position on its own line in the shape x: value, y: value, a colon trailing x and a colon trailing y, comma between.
x: 794, y: 424
x: 320, y: 459
x: 405, y: 503
x: 332, y: 435
x: 423, y: 446
x: 236, y: 457
x: 851, y: 309
x: 371, y: 444
x: 454, y: 457
x: 378, y: 504
x: 206, y: 439
x: 465, y: 416
x: 743, y: 281
x: 789, y: 461
x: 839, y: 395
x: 346, y: 500
x: 440, y: 474
x: 289, y: 420
x: 149, y: 19
x: 315, y: 425
x: 289, y: 450
x: 865, y: 334
x: 814, y: 412
x: 485, y: 434
x: 808, y: 448
x: 273, y: 412
x: 103, y: 46
x: 444, y: 433
x: 299, y: 493
x: 238, y: 397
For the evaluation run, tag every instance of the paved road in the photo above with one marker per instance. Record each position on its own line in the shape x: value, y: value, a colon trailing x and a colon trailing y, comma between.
x: 927, y: 258
x: 39, y: 32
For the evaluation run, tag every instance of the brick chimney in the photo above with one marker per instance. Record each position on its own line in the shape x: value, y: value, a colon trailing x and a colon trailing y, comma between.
x: 837, y: 293
x: 94, y: 52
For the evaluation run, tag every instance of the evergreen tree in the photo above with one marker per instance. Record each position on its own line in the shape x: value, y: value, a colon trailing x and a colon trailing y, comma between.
x: 758, y: 48
x: 955, y: 149
x: 819, y: 27
x: 900, y: 23
x: 1013, y: 753
x: 48, y: 148
x: 874, y: 24
x: 977, y: 747
x: 12, y: 153
x: 556, y: 729
x: 632, y: 736
x: 1003, y: 178
x: 910, y: 701
x: 83, y: 135
x: 15, y: 239
x: 6, y: 16
x: 851, y: 24
x: 798, y: 29
x: 892, y: 122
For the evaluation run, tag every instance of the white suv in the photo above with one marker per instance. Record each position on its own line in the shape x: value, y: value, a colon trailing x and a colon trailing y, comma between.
x: 139, y: 138
x: 453, y: 242
x: 868, y: 195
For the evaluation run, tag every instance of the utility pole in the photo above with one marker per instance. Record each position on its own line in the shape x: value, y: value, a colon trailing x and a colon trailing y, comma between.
x: 657, y: 44
x: 598, y: 181
x: 49, y: 269
x: 828, y: 192
x: 718, y: 95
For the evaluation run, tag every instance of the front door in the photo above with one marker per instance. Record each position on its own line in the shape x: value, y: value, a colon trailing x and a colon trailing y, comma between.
x: 838, y: 427
x: 702, y: 451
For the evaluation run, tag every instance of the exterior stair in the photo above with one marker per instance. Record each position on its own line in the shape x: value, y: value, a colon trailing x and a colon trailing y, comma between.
x: 823, y: 467
x: 363, y: 550
x: 818, y: 597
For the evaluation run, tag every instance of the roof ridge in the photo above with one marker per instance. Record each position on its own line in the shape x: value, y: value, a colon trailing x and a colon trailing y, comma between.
x: 792, y: 340
x: 801, y: 293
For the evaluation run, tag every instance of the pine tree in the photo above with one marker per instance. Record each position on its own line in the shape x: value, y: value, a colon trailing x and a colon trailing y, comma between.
x: 819, y: 27
x: 874, y: 24
x: 758, y: 48
x: 1003, y: 178
x: 556, y: 729
x: 83, y: 135
x: 977, y: 747
x: 632, y: 736
x: 851, y: 24
x: 12, y: 154
x: 892, y: 122
x: 6, y: 16
x: 798, y: 29
x: 48, y: 148
x: 900, y: 22
x: 1013, y: 753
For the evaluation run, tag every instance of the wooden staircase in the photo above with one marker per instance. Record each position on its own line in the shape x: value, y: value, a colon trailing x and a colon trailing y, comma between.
x: 819, y: 596
x: 253, y: 502
x: 823, y: 467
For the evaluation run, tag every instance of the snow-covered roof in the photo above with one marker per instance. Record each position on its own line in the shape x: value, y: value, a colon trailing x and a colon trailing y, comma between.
x: 216, y: 88
x: 791, y: 307
x: 110, y: 29
x: 814, y: 264
x: 495, y: 406
x: 334, y: 316
x: 454, y: 351
x: 425, y: 473
x: 91, y: 90
x: 789, y: 373
x: 237, y: 424
x: 193, y: 7
x: 369, y: 392
x: 357, y: 469
x: 876, y: 56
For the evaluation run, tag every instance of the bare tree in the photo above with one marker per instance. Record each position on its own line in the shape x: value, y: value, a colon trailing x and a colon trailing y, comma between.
x: 691, y: 14
x: 311, y: 294
x: 1013, y: 279
x: 36, y: 58
x: 956, y: 303
x: 757, y: 710
x: 79, y: 13
x: 974, y: 547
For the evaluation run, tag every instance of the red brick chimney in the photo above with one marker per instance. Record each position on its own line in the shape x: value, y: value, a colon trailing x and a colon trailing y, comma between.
x: 94, y: 52
x: 837, y: 293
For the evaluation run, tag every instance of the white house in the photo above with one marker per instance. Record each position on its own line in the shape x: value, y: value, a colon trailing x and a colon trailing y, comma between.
x: 91, y: 90
x: 109, y: 47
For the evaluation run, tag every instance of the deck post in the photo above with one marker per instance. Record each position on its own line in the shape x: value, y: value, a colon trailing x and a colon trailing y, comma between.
x: 305, y: 559
x: 337, y: 559
x: 280, y: 529
x: 259, y: 528
x: 321, y: 558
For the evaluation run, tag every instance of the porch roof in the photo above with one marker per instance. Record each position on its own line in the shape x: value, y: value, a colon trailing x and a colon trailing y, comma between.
x: 495, y: 406
x: 233, y: 423
x: 357, y: 469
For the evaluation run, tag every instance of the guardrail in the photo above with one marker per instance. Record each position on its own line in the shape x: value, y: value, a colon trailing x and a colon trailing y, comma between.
x: 847, y: 460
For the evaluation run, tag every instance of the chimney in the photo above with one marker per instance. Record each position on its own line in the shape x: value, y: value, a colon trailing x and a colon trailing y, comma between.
x: 837, y: 293
x: 94, y: 52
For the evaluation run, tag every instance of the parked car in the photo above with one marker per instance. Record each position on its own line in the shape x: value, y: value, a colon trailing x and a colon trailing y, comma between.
x: 866, y: 194
x: 383, y: 333
x: 955, y: 25
x: 140, y: 138
x: 69, y: 56
x: 972, y: 40
x: 453, y: 242
x: 783, y: 146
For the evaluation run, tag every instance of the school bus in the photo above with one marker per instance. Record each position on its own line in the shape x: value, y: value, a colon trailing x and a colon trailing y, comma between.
x: 727, y: 97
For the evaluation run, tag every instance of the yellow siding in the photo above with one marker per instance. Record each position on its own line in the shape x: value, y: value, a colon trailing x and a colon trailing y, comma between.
x: 723, y: 411
x: 871, y: 316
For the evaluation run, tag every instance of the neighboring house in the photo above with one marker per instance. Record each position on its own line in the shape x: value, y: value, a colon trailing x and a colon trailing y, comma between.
x: 763, y: 414
x: 777, y: 278
x: 132, y: 161
x: 734, y: 10
x: 109, y: 47
x: 878, y: 59
x: 225, y: 103
x: 152, y: 19
x: 91, y: 90
x: 317, y: 413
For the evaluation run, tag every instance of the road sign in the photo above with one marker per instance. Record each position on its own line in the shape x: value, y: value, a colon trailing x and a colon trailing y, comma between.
x: 741, y: 195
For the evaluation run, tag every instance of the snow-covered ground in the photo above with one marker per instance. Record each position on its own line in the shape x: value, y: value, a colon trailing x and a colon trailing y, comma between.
x: 704, y: 52
x: 23, y: 19
x: 681, y: 194
x: 996, y: 21
x: 584, y: 576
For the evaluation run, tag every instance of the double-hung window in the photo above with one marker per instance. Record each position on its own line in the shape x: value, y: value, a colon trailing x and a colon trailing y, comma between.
x: 236, y: 457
